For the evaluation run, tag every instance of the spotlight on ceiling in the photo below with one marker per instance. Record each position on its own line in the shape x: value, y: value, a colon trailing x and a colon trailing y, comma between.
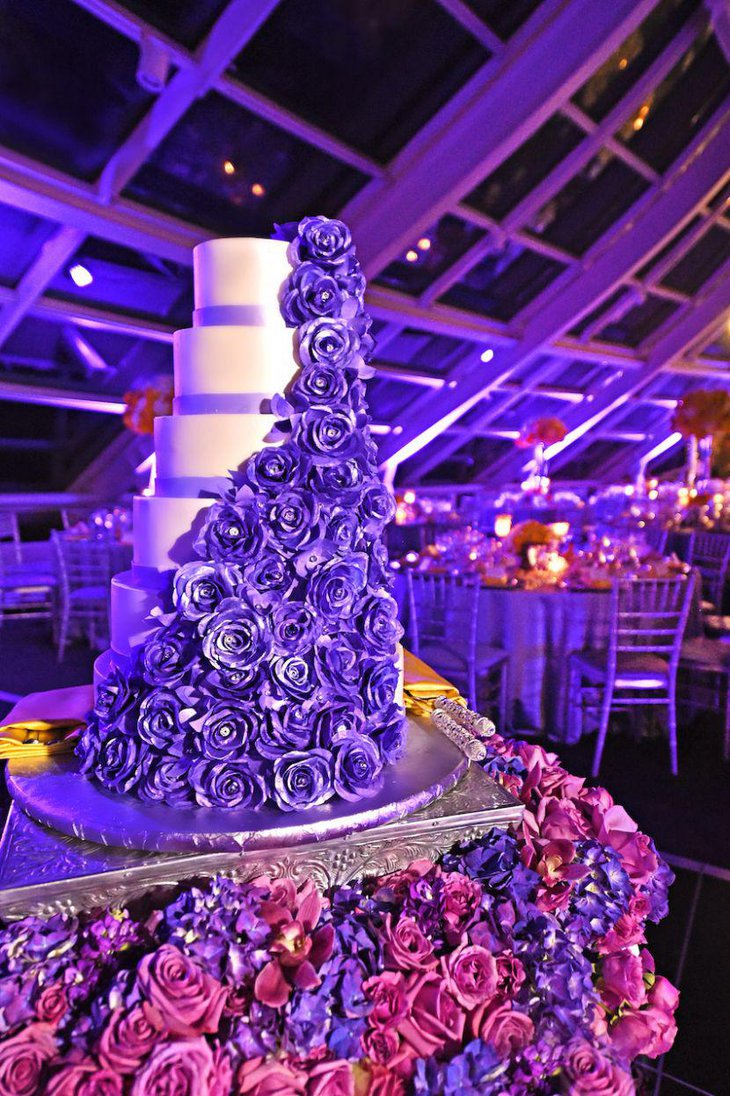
x: 80, y: 276
x: 153, y: 66
x: 487, y: 355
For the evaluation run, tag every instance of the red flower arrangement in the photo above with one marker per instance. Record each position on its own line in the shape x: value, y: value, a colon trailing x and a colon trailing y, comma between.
x: 547, y: 430
x: 145, y: 404
x: 703, y: 412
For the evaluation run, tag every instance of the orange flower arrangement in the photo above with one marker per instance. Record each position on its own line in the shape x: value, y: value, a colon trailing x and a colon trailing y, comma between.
x: 528, y: 534
x: 145, y: 404
x: 547, y: 430
x: 702, y: 412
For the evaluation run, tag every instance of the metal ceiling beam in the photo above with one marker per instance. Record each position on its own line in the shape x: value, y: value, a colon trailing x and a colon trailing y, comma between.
x: 501, y: 106
x: 641, y: 233
x: 51, y: 396
x: 54, y: 254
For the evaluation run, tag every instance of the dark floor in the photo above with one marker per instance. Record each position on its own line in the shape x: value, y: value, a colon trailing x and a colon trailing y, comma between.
x: 688, y: 817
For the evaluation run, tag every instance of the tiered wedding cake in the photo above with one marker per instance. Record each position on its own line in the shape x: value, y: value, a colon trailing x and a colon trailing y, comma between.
x: 254, y: 643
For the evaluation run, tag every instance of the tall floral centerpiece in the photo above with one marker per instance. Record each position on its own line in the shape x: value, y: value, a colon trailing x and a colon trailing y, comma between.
x: 703, y: 417
x: 538, y: 436
x: 145, y: 403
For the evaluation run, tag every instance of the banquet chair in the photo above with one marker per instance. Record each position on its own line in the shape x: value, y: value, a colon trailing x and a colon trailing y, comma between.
x: 84, y: 569
x: 709, y: 553
x: 704, y: 681
x: 639, y: 665
x: 10, y: 544
x: 27, y: 591
x: 443, y: 614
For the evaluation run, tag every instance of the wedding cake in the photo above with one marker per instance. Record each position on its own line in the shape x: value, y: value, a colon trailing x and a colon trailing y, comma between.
x: 254, y: 643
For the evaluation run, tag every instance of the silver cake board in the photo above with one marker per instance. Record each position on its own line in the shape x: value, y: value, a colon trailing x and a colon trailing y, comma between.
x: 435, y: 799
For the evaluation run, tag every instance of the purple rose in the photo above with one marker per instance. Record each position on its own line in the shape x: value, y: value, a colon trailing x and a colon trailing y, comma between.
x: 167, y: 655
x: 23, y: 1059
x: 128, y: 1037
x: 329, y: 433
x: 390, y: 733
x: 311, y: 291
x: 339, y: 720
x: 380, y: 684
x: 119, y: 760
x: 341, y: 482
x: 274, y: 467
x: 271, y: 577
x: 230, y: 684
x: 162, y: 718
x: 226, y: 784
x: 322, y: 240
x: 357, y: 767
x: 336, y: 588
x: 339, y: 662
x: 377, y: 508
x: 185, y: 1067
x: 236, y: 638
x: 188, y: 998
x: 292, y: 517
x: 288, y: 729
x: 165, y: 780
x: 114, y: 696
x: 292, y: 678
x: 200, y: 588
x: 379, y: 573
x: 326, y: 341
x: 231, y: 533
x: 295, y: 627
x: 344, y: 530
x: 317, y: 386
x: 225, y: 732
x: 303, y: 779
x: 378, y: 622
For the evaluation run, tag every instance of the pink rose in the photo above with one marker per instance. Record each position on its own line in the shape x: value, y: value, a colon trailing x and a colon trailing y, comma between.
x: 627, y: 932
x: 331, y: 1079
x: 405, y: 947
x: 129, y: 1037
x: 23, y: 1058
x: 505, y: 1028
x: 384, y: 1082
x: 85, y: 1078
x: 510, y: 974
x: 185, y: 1067
x: 561, y: 820
x: 586, y: 1072
x: 380, y: 1045
x: 471, y: 975
x: 189, y: 999
x: 387, y: 991
x: 52, y: 1004
x: 620, y: 831
x: 259, y: 1077
x: 622, y: 980
x: 650, y: 1030
x: 436, y: 1019
x: 460, y: 900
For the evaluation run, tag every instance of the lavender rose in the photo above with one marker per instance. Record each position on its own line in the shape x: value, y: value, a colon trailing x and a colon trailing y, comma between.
x: 200, y: 588
x: 317, y: 386
x: 274, y: 467
x: 339, y: 660
x: 231, y: 534
x: 128, y: 1037
x: 303, y: 780
x: 236, y: 638
x: 380, y: 683
x: 292, y: 677
x: 186, y: 1067
x: 167, y: 655
x: 336, y: 588
x: 344, y: 530
x: 190, y: 1000
x: 226, y: 784
x: 390, y: 733
x: 337, y: 721
x: 118, y: 761
x: 357, y: 767
x: 229, y: 684
x: 341, y: 483
x: 326, y: 341
x: 377, y: 508
x: 311, y: 291
x: 292, y: 517
x: 114, y: 696
x: 23, y: 1059
x: 225, y: 732
x: 378, y: 622
x: 290, y: 728
x: 323, y: 240
x: 164, y: 780
x: 294, y: 627
x: 270, y: 577
x: 328, y: 433
x: 162, y: 718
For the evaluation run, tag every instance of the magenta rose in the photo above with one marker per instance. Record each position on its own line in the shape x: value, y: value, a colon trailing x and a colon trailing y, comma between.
x: 405, y: 947
x: 587, y: 1072
x: 460, y: 900
x: 188, y: 998
x: 259, y: 1077
x: 510, y: 974
x: 331, y: 1079
x: 23, y: 1059
x: 387, y: 991
x: 129, y: 1037
x: 380, y: 1045
x: 436, y: 1019
x: 52, y: 1004
x: 185, y: 1067
x: 505, y: 1028
x: 85, y: 1078
x: 622, y: 980
x: 620, y: 831
x: 471, y: 975
x: 382, y: 1081
x: 650, y: 1030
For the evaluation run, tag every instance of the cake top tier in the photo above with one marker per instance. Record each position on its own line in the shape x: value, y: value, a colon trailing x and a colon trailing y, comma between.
x: 240, y: 272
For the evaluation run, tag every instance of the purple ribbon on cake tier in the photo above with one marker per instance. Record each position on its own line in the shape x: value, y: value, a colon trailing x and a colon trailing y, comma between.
x: 223, y: 403
x: 246, y: 315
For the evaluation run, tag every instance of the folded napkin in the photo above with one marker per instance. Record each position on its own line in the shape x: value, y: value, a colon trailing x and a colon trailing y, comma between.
x: 422, y: 686
x: 45, y: 724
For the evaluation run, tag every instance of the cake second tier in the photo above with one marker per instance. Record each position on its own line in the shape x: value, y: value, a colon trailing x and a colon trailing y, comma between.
x: 197, y: 453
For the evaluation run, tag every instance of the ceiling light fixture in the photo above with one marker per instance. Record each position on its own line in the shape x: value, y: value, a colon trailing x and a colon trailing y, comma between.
x: 80, y: 276
x: 487, y: 355
x: 229, y: 167
x: 258, y: 190
x: 424, y: 243
x: 411, y: 256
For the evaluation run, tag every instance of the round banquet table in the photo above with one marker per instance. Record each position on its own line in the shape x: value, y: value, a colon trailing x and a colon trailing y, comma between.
x: 538, y: 629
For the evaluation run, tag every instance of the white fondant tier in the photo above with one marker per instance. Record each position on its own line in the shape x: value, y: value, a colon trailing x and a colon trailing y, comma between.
x: 197, y: 452
x: 165, y: 529
x: 132, y: 603
x: 229, y: 360
x: 240, y: 271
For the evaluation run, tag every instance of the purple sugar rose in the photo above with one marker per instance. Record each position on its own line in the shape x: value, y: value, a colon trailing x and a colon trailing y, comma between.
x: 295, y: 627
x: 380, y: 683
x: 235, y: 638
x: 377, y: 508
x: 379, y: 573
x: 328, y: 433
x: 339, y: 720
x: 114, y: 696
x: 303, y: 779
x: 200, y: 587
x: 357, y: 767
x: 322, y: 240
x: 165, y: 780
x: 288, y: 728
x: 231, y: 534
x: 163, y: 715
x: 336, y: 588
x: 310, y: 291
x: 344, y: 530
x: 225, y: 732
x: 274, y: 467
x: 292, y: 518
x: 119, y: 761
x: 378, y: 622
x: 229, y: 684
x: 341, y: 482
x: 292, y: 678
x: 338, y: 659
x: 317, y: 386
x: 390, y: 733
x: 167, y: 655
x: 227, y: 784
x: 331, y: 342
x: 271, y: 577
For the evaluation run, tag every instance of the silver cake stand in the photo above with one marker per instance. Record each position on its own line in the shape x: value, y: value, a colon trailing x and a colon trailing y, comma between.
x: 68, y: 844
